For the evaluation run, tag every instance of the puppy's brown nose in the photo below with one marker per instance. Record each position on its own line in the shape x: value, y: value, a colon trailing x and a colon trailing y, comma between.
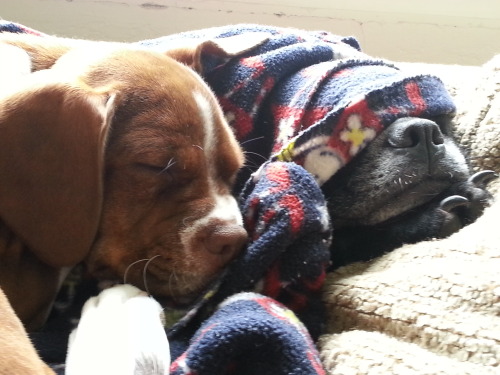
x: 226, y: 241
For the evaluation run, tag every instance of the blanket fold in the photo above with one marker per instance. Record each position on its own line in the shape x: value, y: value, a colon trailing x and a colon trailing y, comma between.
x: 250, y: 334
x: 286, y: 216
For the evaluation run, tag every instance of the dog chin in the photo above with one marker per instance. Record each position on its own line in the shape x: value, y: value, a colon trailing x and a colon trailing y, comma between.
x: 171, y: 290
x: 177, y: 295
x: 179, y: 303
x: 405, y: 200
x: 176, y: 301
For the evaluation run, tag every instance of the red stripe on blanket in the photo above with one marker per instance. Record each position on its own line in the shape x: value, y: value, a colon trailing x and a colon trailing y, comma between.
x: 415, y: 97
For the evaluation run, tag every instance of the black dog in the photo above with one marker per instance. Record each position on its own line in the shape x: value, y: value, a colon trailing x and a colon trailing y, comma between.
x: 416, y: 185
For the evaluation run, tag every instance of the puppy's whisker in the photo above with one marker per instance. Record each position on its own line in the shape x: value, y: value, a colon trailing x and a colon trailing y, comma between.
x: 130, y: 266
x: 250, y: 162
x: 198, y: 146
x: 170, y: 163
x: 251, y: 168
x: 251, y: 140
x: 256, y: 154
x: 145, y: 271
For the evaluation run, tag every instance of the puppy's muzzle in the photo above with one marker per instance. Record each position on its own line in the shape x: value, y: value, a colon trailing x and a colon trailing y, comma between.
x: 223, y: 241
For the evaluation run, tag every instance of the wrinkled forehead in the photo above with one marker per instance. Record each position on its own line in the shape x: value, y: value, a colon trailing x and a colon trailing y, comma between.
x: 168, y: 121
x: 162, y: 104
x: 179, y: 118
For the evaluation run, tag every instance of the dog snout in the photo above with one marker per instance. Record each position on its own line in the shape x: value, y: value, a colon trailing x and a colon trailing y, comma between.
x: 225, y: 240
x: 415, y: 133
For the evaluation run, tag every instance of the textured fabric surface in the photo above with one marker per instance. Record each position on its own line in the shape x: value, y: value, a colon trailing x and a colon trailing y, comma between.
x: 374, y: 353
x: 433, y: 307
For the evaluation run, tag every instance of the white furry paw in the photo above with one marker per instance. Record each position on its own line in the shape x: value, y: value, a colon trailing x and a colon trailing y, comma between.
x: 120, y: 332
x: 14, y: 64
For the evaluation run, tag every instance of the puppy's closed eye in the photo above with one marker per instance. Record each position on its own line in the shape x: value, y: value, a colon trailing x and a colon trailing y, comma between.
x: 157, y: 168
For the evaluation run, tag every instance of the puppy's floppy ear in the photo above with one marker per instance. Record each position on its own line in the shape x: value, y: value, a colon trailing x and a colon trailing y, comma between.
x: 51, y: 158
x: 191, y: 51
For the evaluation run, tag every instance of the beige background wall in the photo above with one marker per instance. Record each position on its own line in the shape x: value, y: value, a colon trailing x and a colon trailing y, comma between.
x: 441, y: 31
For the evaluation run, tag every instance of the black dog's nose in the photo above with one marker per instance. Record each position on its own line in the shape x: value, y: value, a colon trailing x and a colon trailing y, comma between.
x: 412, y: 132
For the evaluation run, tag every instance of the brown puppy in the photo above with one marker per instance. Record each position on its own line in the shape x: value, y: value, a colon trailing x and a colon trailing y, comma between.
x: 118, y: 157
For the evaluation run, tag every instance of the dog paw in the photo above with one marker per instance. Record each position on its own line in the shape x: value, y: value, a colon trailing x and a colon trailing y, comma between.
x: 465, y: 202
x: 121, y: 332
x: 14, y: 64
